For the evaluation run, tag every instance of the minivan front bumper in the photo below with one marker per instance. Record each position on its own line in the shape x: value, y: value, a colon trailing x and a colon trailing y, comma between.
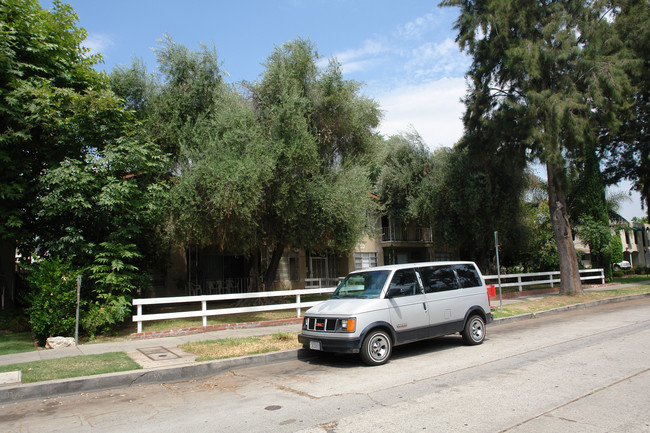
x: 326, y: 343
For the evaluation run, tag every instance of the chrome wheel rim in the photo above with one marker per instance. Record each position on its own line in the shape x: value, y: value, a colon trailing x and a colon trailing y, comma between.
x: 476, y: 330
x: 378, y: 347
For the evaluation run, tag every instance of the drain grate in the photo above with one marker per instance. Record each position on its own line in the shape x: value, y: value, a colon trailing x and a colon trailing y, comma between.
x: 158, y: 353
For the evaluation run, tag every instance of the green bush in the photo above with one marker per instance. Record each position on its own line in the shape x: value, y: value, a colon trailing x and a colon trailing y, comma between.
x: 105, y: 318
x: 13, y: 320
x: 641, y: 270
x: 115, y: 279
x: 52, y: 299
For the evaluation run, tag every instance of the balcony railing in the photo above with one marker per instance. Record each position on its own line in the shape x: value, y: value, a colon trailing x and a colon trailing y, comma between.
x: 218, y: 286
x: 403, y: 234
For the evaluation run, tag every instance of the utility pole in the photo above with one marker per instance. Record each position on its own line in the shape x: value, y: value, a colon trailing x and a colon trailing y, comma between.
x: 496, y: 246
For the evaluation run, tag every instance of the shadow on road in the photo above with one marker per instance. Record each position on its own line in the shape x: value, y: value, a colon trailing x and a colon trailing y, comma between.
x: 347, y: 360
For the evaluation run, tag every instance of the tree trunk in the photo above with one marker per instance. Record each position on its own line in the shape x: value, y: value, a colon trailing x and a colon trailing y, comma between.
x: 569, y: 271
x: 272, y: 269
x: 254, y: 272
x: 8, y: 273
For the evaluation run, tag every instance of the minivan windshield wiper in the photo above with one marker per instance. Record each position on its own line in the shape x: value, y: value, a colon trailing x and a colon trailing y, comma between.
x: 348, y: 296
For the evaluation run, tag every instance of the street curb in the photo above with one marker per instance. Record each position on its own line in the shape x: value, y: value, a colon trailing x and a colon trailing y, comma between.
x: 205, y: 369
x: 100, y: 382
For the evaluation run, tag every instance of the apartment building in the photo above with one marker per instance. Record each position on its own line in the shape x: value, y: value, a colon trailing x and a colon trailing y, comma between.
x: 635, y: 239
x: 195, y: 271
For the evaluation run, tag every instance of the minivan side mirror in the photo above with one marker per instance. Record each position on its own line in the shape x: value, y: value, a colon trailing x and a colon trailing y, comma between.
x: 394, y: 292
x: 398, y: 291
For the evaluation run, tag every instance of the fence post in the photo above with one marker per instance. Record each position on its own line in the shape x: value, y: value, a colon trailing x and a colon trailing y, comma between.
x: 204, y: 309
x: 139, y: 321
x: 298, y: 302
x: 550, y: 277
x: 602, y: 276
x: 519, y: 282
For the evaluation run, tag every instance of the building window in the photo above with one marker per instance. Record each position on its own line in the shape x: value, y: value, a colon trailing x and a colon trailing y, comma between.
x: 365, y: 260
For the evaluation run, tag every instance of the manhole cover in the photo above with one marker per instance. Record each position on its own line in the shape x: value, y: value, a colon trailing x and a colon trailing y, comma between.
x: 158, y: 353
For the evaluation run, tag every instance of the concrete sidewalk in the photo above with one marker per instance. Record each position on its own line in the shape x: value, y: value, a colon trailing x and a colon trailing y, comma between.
x: 162, y: 360
x: 134, y: 346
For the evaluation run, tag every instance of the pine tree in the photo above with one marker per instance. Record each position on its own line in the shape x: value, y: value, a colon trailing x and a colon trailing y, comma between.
x: 551, y: 70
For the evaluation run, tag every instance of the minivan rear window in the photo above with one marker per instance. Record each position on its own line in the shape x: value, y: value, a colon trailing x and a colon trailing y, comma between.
x: 467, y: 276
x: 362, y: 285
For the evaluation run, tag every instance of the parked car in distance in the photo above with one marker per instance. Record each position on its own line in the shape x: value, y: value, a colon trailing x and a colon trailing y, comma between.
x: 624, y: 265
x: 374, y: 309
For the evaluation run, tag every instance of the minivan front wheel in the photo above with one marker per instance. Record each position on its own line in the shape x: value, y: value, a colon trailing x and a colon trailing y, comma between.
x: 474, y: 331
x: 376, y: 348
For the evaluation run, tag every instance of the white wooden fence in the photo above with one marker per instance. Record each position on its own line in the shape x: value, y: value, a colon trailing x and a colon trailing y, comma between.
x: 537, y: 278
x: 203, y: 300
x: 521, y: 280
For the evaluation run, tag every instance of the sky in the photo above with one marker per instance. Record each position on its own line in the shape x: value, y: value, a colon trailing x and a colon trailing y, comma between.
x: 403, y: 52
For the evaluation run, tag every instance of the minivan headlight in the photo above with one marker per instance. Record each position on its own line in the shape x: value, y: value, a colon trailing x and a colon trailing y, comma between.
x: 348, y: 325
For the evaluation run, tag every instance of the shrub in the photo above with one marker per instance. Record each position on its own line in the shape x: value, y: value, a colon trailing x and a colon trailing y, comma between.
x: 13, y: 320
x: 52, y: 299
x: 105, y: 318
x: 115, y: 278
x: 641, y: 270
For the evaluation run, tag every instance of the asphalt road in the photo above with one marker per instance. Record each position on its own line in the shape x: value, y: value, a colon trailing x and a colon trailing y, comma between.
x: 580, y: 371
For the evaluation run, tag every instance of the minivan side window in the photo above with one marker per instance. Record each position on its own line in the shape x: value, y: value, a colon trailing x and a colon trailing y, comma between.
x: 467, y: 276
x: 438, y: 278
x: 404, y: 283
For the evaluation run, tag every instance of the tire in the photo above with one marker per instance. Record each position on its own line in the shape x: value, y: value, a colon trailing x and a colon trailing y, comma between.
x: 376, y: 348
x: 474, y: 331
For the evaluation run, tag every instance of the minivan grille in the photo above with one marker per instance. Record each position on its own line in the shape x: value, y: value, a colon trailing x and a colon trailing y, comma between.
x: 321, y: 324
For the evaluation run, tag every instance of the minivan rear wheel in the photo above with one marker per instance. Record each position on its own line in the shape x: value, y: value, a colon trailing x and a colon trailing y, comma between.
x: 376, y: 348
x: 474, y: 331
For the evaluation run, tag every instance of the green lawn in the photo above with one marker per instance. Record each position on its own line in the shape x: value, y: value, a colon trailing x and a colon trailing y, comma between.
x: 233, y: 347
x: 632, y: 278
x: 16, y: 342
x: 76, y: 366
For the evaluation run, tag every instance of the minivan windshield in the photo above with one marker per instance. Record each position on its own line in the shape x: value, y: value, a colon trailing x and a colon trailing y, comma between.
x: 362, y: 285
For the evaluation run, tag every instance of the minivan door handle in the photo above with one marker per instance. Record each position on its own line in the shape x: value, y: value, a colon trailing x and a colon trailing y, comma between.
x: 424, y: 304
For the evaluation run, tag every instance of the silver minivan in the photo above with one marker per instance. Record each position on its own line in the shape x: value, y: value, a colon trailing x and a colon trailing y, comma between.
x: 374, y: 309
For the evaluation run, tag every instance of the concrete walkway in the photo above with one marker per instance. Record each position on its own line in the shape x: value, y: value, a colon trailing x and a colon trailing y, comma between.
x: 162, y: 360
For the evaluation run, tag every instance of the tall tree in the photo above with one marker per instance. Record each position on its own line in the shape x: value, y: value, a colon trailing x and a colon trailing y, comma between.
x: 405, y: 167
x: 52, y: 105
x: 463, y: 196
x: 587, y: 200
x: 322, y: 132
x: 220, y: 160
x: 556, y: 66
x: 284, y: 164
x: 627, y: 153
